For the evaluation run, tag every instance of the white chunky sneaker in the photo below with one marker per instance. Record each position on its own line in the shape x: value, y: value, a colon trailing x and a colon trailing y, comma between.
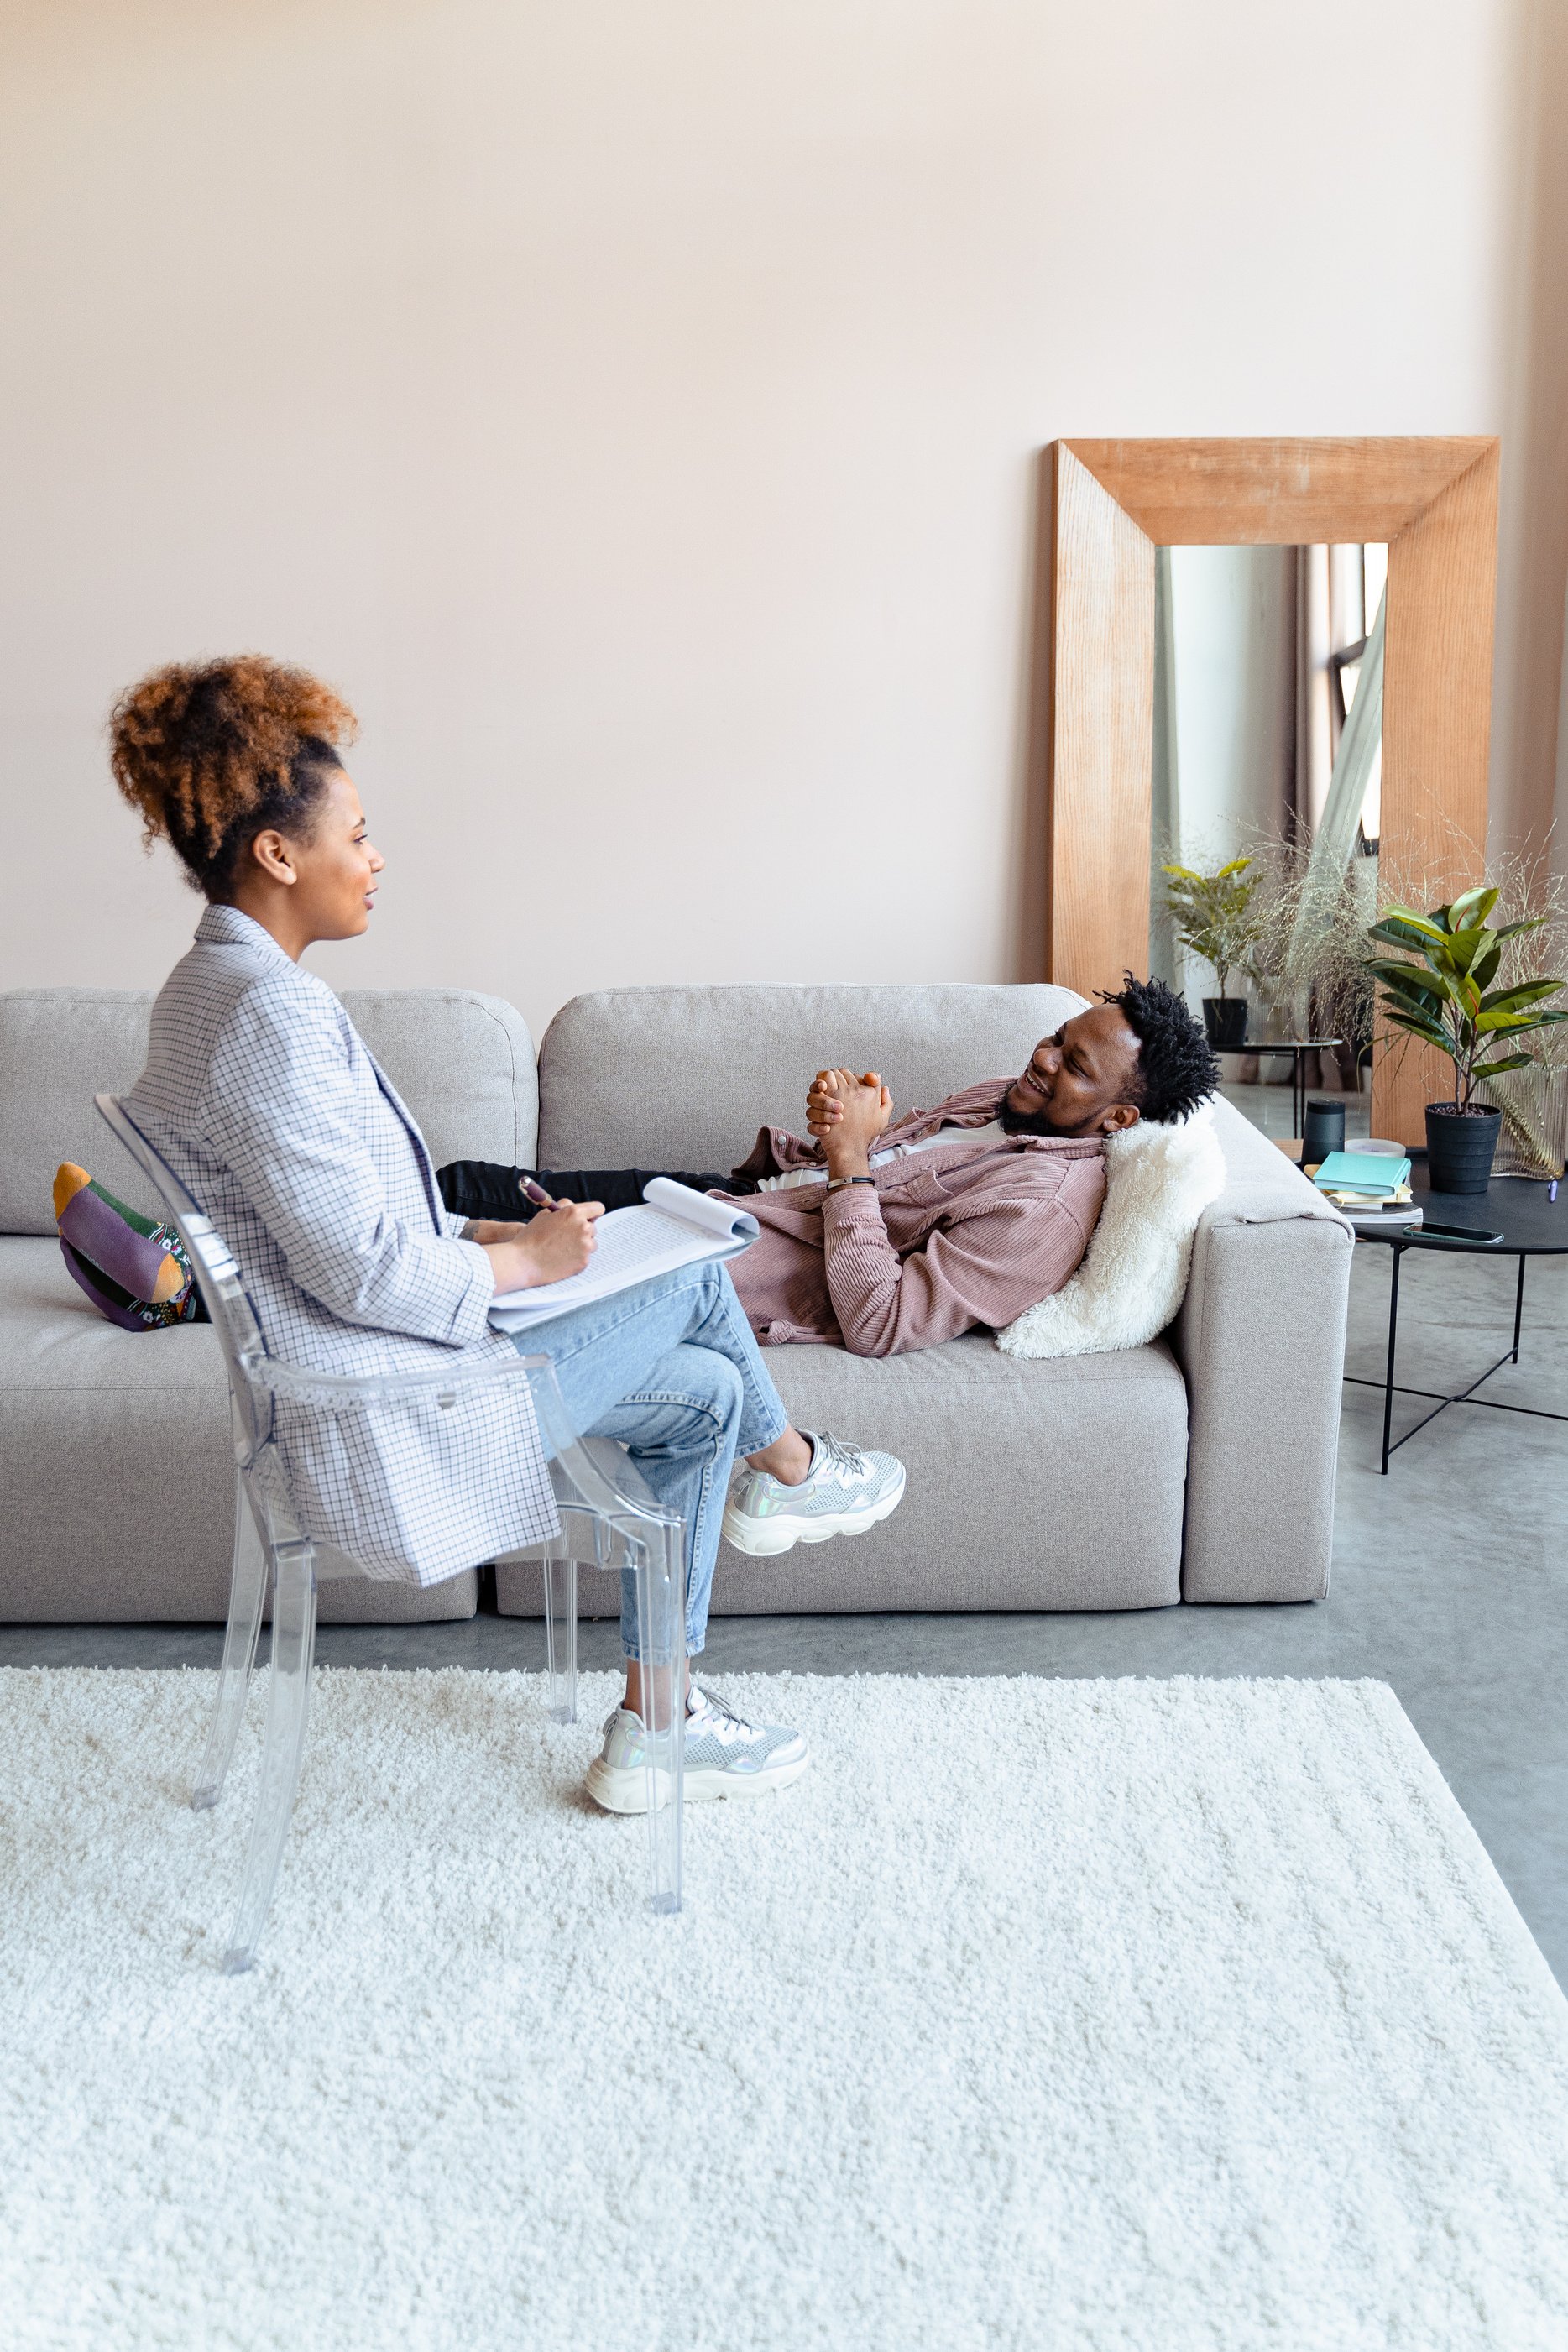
x: 846, y: 1492
x: 725, y: 1757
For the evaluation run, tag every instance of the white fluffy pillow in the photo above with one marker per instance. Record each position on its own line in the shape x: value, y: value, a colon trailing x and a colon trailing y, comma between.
x: 1158, y: 1179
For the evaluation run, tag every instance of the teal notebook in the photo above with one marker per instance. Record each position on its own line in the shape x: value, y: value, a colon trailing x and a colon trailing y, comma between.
x: 1362, y: 1171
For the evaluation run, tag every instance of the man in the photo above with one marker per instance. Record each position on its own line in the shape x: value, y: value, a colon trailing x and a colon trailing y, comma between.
x: 883, y: 1235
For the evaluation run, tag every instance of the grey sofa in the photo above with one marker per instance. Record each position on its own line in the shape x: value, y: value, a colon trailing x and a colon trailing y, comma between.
x: 1200, y: 1466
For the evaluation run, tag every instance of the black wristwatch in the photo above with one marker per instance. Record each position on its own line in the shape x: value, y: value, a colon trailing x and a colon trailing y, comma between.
x: 836, y: 1183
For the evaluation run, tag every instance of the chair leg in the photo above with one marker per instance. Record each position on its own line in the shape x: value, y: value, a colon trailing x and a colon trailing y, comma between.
x: 659, y: 1553
x: 287, y: 1706
x: 247, y: 1590
x: 561, y: 1629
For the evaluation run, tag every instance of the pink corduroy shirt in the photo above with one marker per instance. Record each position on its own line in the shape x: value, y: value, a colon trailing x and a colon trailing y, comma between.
x: 965, y: 1234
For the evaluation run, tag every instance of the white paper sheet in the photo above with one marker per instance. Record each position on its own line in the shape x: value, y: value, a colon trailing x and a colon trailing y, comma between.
x: 679, y: 1227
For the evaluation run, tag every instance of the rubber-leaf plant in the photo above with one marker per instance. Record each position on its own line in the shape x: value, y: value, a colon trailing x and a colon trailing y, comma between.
x: 1444, y: 991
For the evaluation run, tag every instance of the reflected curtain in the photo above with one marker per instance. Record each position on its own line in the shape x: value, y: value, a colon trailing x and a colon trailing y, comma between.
x: 1334, y: 835
x: 1361, y: 738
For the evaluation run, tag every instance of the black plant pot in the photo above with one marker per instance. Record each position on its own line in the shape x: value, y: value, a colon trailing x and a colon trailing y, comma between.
x: 1459, y: 1146
x: 1224, y: 1018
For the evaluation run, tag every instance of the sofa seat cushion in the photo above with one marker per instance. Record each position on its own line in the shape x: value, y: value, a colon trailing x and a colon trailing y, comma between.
x: 1053, y: 1485
x: 117, y: 1468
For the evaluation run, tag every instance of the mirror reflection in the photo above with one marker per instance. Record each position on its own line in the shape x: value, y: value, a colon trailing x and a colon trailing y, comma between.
x: 1267, y: 794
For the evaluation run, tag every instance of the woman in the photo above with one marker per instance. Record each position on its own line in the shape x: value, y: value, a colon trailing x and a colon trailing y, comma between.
x: 271, y: 1108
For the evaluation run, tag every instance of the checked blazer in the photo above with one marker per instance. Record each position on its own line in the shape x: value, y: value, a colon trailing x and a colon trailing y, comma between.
x: 270, y: 1106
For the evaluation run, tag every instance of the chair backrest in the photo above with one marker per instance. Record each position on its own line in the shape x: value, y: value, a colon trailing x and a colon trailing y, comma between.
x: 217, y: 1270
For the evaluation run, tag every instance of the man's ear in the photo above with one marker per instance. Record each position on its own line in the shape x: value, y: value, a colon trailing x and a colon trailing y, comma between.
x: 1120, y: 1115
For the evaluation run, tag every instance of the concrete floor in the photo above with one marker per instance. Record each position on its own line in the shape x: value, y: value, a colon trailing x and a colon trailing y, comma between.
x: 1268, y: 1107
x: 1449, y: 1582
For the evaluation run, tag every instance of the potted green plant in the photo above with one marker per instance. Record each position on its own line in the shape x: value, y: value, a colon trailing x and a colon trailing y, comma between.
x: 1215, y: 919
x: 1446, y: 997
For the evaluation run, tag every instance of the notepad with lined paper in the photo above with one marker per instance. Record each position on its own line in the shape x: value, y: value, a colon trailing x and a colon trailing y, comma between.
x: 675, y: 1227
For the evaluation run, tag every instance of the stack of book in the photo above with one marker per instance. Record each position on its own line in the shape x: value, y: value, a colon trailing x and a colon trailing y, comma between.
x: 1371, y: 1188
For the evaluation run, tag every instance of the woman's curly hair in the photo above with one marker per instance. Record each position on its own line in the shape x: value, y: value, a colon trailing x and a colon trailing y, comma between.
x: 212, y: 754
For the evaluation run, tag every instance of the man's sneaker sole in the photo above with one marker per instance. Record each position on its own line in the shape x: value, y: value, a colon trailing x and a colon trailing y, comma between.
x: 766, y: 1539
x: 624, y: 1789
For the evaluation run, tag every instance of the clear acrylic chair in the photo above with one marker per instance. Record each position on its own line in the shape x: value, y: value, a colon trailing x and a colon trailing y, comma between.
x: 608, y: 1519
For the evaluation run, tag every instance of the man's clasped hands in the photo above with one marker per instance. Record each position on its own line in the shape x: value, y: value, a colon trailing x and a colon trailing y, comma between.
x: 847, y: 1114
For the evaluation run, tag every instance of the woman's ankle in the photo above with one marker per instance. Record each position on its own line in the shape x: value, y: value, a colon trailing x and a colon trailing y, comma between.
x: 636, y: 1692
x: 787, y: 1459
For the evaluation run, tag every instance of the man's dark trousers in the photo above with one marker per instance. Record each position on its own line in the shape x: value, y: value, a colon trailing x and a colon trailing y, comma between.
x: 483, y: 1188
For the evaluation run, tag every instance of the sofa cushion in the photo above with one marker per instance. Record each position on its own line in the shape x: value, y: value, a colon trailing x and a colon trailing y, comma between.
x: 1052, y: 1485
x: 117, y: 1468
x: 58, y: 1047
x: 683, y: 1078
x: 462, y: 1062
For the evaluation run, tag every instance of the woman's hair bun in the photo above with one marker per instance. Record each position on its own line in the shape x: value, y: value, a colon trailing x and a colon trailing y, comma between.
x: 212, y: 754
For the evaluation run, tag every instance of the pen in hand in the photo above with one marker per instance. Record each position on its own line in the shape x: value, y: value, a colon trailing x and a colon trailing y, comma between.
x: 579, y: 1216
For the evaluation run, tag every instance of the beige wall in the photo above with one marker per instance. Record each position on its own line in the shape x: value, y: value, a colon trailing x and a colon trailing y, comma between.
x: 636, y: 410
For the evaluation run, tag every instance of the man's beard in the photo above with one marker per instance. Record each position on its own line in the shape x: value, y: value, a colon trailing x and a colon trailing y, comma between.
x: 1023, y: 1122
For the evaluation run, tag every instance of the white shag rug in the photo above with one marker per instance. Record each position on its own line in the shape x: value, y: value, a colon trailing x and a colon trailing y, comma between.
x: 1101, y: 2015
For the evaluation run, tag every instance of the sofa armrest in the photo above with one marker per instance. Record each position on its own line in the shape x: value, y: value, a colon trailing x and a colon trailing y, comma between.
x: 1261, y: 1339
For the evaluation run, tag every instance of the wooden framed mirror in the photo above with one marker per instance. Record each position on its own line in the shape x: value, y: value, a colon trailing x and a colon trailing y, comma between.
x: 1431, y: 502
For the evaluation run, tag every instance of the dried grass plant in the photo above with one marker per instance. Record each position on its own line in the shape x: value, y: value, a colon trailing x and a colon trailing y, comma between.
x: 1311, y: 958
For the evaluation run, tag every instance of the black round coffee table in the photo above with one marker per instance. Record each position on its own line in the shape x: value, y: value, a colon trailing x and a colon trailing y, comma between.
x: 1532, y: 1219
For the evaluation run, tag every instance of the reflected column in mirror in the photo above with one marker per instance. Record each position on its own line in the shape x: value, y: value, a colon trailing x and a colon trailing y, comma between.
x: 1267, y: 766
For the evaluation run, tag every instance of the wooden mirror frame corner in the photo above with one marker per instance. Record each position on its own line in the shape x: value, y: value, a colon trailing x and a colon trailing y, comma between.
x: 1112, y: 503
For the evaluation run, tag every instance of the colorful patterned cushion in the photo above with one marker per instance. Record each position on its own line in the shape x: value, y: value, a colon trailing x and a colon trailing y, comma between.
x: 135, y: 1272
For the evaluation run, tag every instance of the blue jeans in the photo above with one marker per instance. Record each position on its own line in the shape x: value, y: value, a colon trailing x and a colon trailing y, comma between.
x: 672, y: 1370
